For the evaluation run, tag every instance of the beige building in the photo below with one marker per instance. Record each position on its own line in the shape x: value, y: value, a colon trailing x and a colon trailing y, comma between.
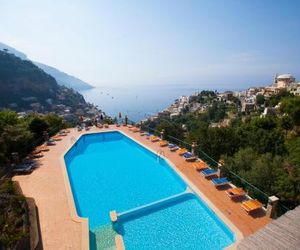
x: 295, y: 89
x: 283, y: 81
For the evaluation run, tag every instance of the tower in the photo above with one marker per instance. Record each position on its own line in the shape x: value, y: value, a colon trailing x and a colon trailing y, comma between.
x: 275, y: 80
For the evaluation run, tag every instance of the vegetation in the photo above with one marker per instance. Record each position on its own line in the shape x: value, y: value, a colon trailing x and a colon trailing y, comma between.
x: 21, y: 135
x: 265, y: 151
x: 12, y: 215
x: 24, y: 86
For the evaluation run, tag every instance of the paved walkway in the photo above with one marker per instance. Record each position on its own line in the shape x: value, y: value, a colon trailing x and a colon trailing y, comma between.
x: 46, y: 185
x: 232, y: 210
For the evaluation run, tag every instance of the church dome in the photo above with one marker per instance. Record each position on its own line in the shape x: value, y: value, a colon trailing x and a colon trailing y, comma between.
x: 285, y: 76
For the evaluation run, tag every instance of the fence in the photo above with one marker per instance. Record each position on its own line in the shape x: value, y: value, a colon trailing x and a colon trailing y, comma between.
x: 251, y: 190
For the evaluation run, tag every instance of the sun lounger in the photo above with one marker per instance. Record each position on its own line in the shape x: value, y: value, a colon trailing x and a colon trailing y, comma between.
x: 36, y: 154
x: 56, y: 138
x: 106, y: 125
x: 118, y: 125
x: 50, y: 142
x: 163, y: 143
x: 220, y: 181
x: 43, y: 148
x: 235, y: 192
x: 24, y: 168
x: 251, y: 205
x: 182, y: 151
x: 142, y: 133
x: 62, y: 133
x: 65, y: 131
x: 135, y: 130
x: 200, y: 165
x: 148, y: 135
x: 189, y: 156
x: 172, y: 147
x: 154, y: 138
x: 209, y: 172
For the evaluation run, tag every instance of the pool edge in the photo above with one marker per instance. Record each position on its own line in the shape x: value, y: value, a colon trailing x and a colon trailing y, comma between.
x: 85, y: 240
x: 84, y: 221
x: 238, y: 234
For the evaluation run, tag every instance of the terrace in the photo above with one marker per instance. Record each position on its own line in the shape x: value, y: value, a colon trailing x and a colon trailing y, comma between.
x: 60, y: 229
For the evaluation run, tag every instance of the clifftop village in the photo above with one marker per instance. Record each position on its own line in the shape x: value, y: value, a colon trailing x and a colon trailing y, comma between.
x: 246, y: 101
x: 70, y: 113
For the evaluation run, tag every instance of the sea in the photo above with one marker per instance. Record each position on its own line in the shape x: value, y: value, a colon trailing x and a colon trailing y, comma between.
x: 139, y: 101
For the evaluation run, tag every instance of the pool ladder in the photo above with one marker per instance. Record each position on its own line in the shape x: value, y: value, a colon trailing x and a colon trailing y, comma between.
x: 159, y: 154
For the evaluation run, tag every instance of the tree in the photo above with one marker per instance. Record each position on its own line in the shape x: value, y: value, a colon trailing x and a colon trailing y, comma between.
x: 171, y: 129
x: 7, y: 117
x: 17, y: 139
x: 275, y: 99
x: 291, y: 106
x: 260, y: 100
x: 286, y: 123
x: 54, y: 122
x: 38, y: 126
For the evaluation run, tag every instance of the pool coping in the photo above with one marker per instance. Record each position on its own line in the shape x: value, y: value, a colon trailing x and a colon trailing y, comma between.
x: 84, y: 221
x: 85, y: 239
x: 238, y: 234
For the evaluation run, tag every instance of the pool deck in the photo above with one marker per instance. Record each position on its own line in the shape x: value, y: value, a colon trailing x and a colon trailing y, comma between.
x: 59, y: 228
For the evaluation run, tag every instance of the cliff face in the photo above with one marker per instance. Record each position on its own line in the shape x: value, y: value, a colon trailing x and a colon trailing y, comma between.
x: 24, y: 86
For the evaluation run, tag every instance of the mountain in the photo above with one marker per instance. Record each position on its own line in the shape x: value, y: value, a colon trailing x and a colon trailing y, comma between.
x: 13, y: 51
x: 24, y: 86
x: 62, y: 78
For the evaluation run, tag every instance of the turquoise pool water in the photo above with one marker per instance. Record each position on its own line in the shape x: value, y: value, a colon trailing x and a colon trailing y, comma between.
x: 109, y: 171
x: 186, y: 223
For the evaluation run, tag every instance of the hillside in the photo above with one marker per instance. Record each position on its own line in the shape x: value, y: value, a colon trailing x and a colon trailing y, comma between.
x: 263, y: 150
x: 24, y: 86
x: 64, y: 79
x: 61, y: 78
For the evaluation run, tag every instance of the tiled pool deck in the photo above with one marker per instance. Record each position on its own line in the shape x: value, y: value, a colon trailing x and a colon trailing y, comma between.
x: 59, y: 227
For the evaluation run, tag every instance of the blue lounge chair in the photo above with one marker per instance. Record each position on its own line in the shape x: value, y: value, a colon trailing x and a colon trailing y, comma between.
x: 209, y: 172
x: 189, y: 156
x: 220, y: 181
x: 172, y: 147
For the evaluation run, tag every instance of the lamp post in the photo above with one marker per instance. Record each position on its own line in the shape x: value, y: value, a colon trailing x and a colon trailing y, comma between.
x: 221, y: 169
x: 162, y: 134
x: 194, y: 145
x: 46, y: 135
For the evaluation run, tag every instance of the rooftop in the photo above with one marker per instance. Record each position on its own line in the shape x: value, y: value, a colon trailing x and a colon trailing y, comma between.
x: 285, y: 76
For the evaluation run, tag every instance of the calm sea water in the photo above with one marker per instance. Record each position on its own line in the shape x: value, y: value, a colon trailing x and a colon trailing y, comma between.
x: 137, y: 102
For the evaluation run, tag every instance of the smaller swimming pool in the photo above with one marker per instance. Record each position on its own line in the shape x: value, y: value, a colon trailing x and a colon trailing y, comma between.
x: 184, y: 223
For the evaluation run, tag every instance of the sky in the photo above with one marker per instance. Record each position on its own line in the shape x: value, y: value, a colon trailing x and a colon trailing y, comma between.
x: 231, y: 43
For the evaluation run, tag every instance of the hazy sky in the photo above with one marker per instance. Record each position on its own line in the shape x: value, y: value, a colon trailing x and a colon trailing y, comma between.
x: 225, y: 42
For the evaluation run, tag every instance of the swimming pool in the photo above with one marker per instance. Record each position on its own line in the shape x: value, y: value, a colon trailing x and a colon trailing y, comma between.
x: 109, y: 171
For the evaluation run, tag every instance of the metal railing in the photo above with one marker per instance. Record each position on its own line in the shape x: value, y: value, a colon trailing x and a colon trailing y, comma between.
x: 251, y: 190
